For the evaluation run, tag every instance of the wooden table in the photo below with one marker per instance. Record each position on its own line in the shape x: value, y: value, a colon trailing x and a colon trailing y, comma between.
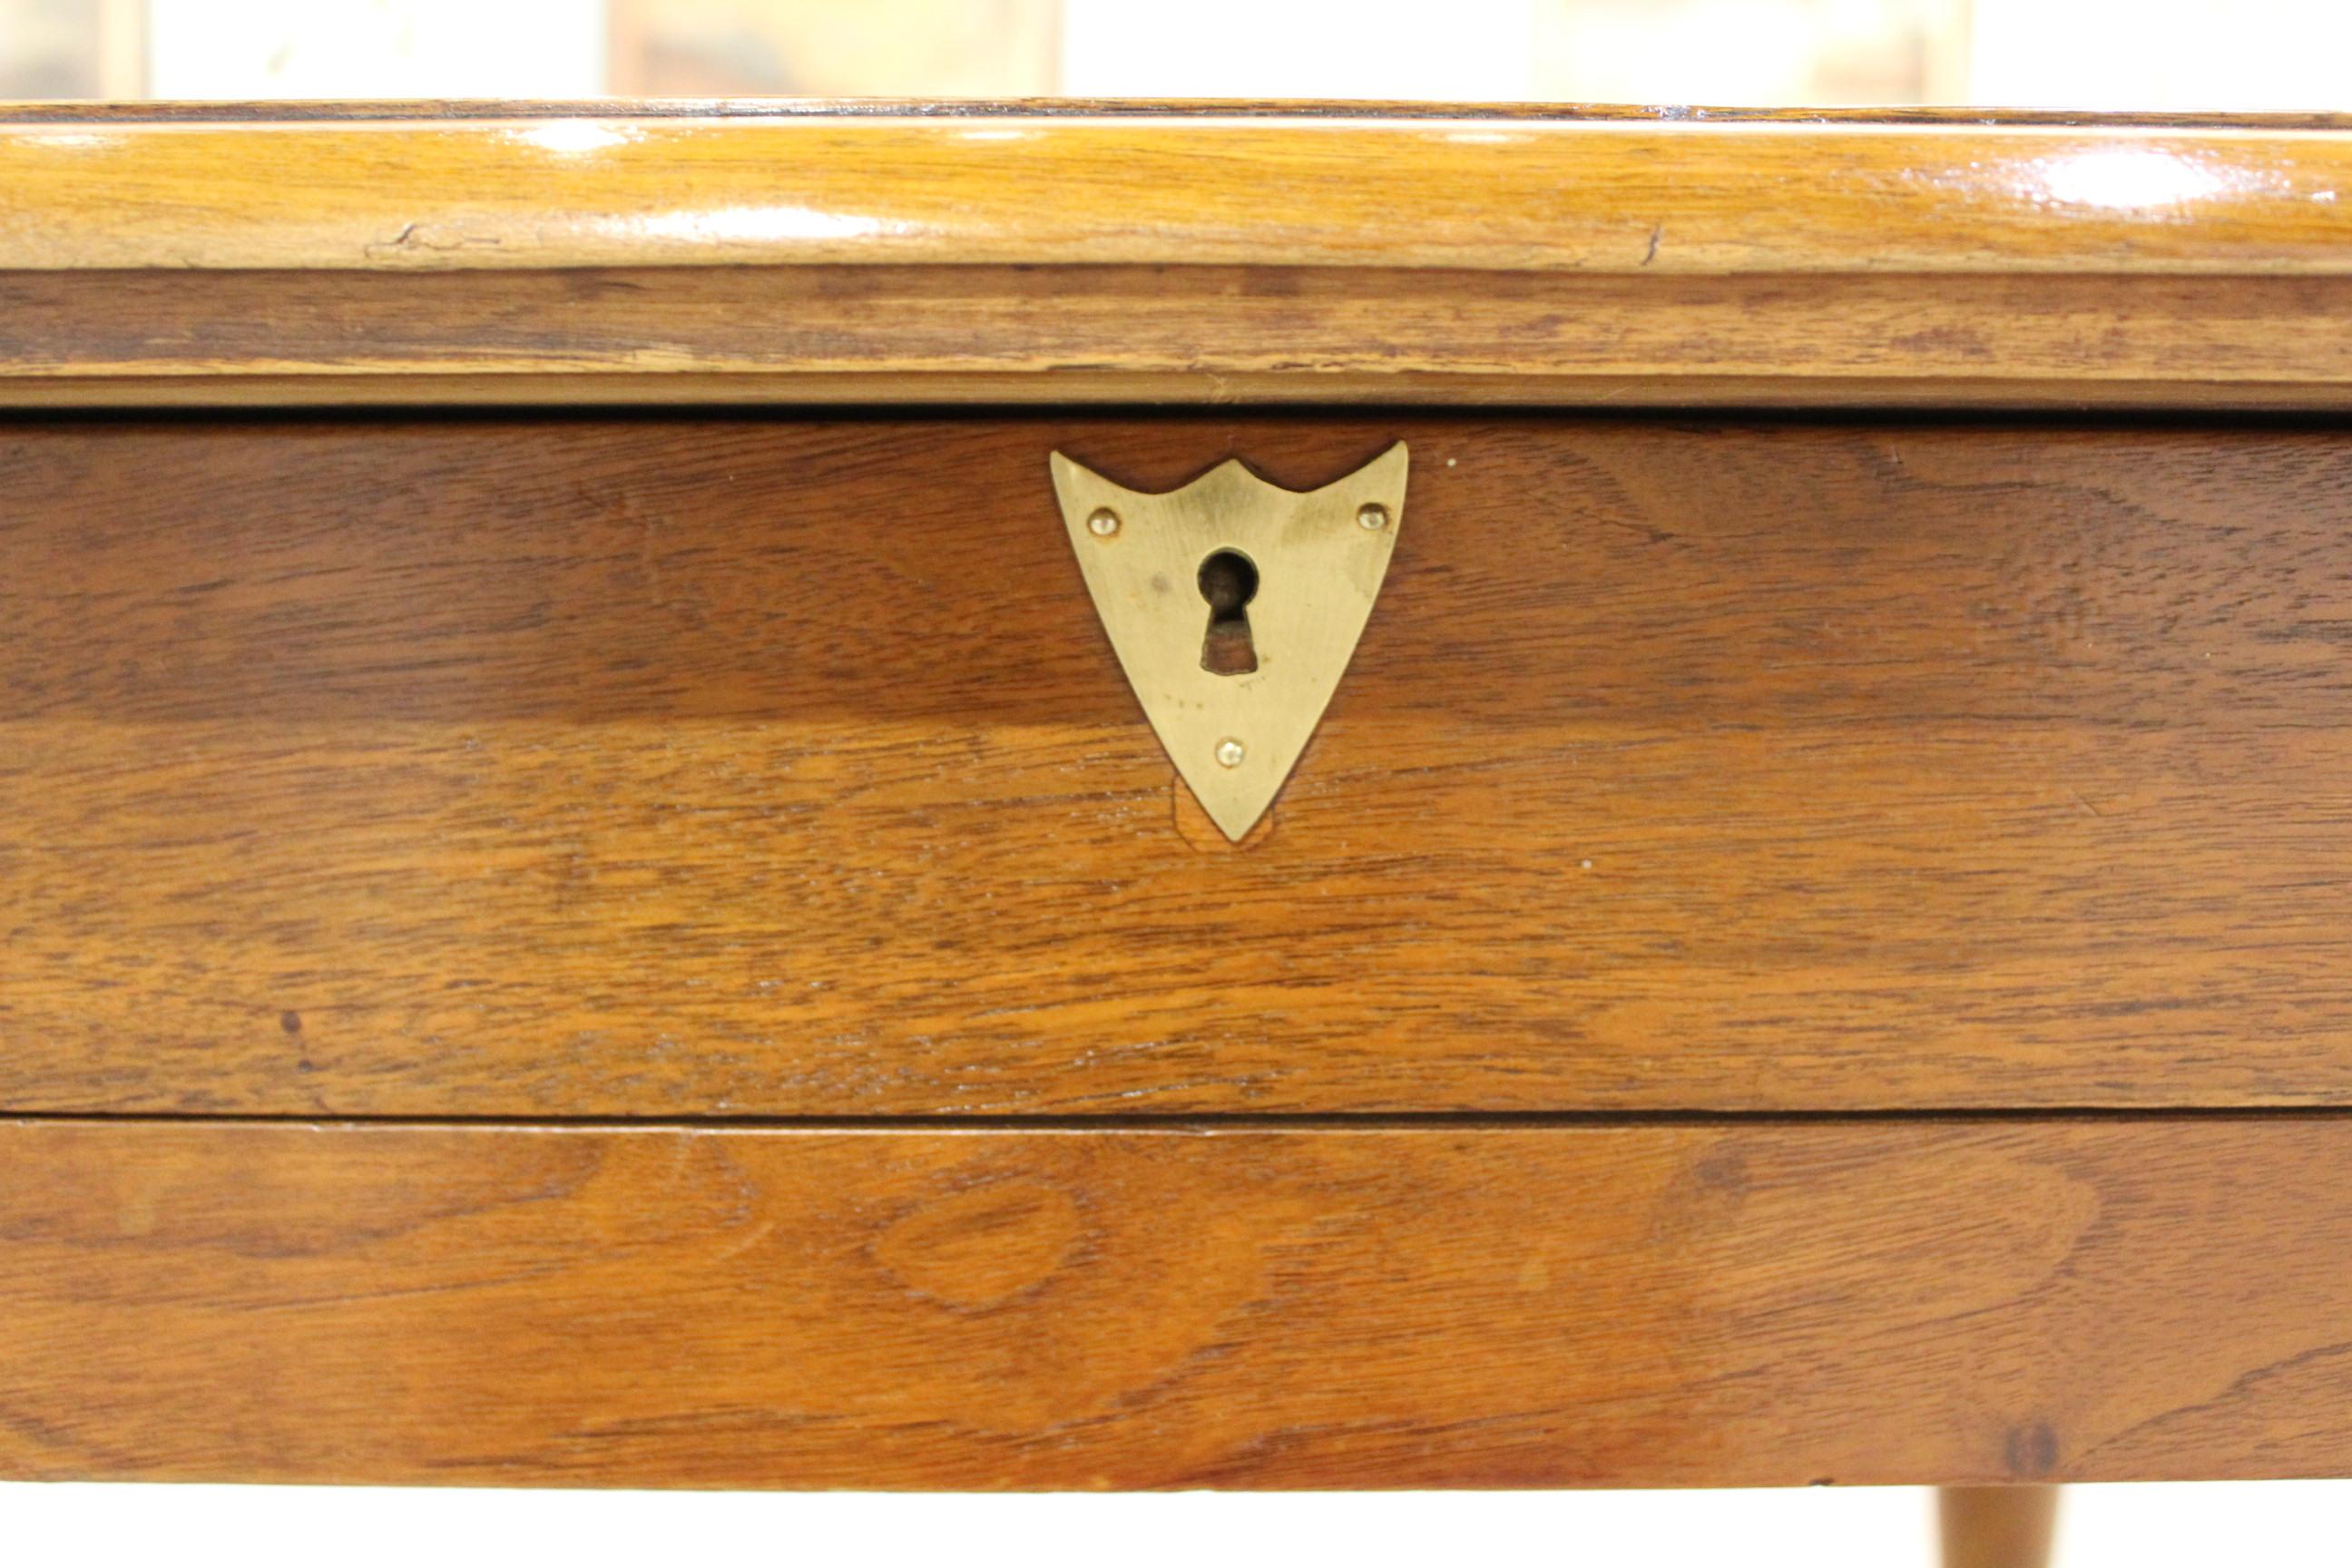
x: 585, y: 901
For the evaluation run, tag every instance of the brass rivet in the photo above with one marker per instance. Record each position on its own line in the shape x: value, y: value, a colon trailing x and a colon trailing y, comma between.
x: 1230, y: 752
x: 1372, y: 514
x: 1103, y: 523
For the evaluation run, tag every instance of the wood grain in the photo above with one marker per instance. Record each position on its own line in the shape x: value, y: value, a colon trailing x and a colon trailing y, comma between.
x: 1751, y: 1304
x: 762, y: 766
x: 879, y: 335
x: 1666, y: 258
x: 1175, y: 190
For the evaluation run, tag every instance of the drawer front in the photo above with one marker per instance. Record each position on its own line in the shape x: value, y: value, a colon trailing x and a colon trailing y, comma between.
x: 1732, y: 1305
x: 706, y: 766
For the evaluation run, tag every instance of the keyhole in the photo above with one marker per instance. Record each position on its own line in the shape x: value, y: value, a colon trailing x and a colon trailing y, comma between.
x: 1229, y: 582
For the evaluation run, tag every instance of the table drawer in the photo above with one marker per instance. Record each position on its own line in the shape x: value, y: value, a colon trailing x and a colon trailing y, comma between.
x: 690, y: 766
x: 1738, y: 1304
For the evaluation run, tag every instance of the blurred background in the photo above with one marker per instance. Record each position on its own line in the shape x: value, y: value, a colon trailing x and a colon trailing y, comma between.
x: 2086, y: 54
x: 2178, y: 55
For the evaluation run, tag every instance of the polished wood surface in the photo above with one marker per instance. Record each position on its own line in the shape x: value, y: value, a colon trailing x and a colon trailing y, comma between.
x: 656, y: 948
x: 761, y: 767
x: 1247, y: 256
x: 1997, y: 1527
x: 1248, y: 1307
x: 1176, y: 190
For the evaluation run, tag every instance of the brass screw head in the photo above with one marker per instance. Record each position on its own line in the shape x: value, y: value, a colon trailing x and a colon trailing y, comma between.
x: 1103, y: 523
x: 1372, y: 515
x: 1230, y: 752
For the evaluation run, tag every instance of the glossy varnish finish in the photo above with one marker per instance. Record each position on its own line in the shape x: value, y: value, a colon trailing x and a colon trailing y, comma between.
x: 885, y: 256
x: 1729, y: 1305
x: 765, y: 766
x: 1176, y: 190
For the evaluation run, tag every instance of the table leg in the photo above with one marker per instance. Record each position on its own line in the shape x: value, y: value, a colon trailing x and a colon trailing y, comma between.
x: 1997, y: 1527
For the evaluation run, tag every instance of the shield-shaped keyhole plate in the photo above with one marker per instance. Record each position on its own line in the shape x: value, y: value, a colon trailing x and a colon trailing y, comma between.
x: 1319, y: 557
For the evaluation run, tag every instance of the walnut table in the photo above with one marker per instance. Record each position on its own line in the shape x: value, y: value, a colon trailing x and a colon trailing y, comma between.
x: 613, y: 877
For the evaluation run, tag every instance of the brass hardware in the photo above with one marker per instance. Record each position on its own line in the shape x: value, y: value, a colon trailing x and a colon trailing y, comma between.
x: 1315, y: 560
